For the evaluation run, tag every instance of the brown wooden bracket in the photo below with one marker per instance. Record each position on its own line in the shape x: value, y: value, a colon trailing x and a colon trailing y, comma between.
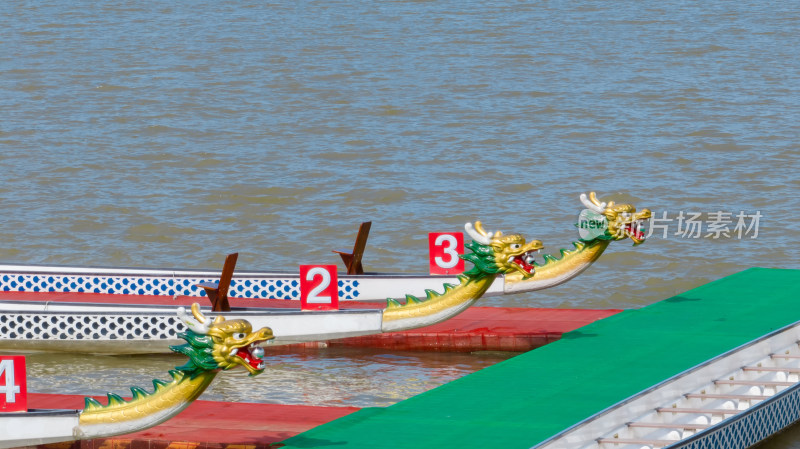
x: 218, y: 291
x: 353, y: 260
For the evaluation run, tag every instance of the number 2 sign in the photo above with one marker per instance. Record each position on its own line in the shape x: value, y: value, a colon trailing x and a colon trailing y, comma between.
x: 319, y: 287
x: 445, y: 247
x: 13, y: 390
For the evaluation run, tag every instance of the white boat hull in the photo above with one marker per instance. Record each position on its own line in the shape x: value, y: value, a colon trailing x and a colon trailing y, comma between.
x: 37, y: 427
x: 120, y: 329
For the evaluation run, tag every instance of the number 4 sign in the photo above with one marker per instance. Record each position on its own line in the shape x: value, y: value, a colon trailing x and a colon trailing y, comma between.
x: 319, y: 287
x: 13, y: 390
x: 445, y: 247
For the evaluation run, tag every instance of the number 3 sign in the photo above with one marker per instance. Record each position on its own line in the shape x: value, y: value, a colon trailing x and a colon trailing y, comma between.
x: 13, y: 391
x: 319, y: 287
x: 445, y: 247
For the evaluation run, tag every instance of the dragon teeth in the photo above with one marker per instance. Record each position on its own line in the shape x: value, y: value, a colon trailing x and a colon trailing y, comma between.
x: 262, y: 365
x: 233, y: 352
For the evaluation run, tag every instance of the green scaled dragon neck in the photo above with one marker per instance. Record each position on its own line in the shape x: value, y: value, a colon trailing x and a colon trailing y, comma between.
x: 211, y: 347
x: 491, y: 253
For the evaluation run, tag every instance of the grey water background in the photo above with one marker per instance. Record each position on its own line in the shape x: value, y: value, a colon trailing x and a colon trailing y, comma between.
x: 168, y: 135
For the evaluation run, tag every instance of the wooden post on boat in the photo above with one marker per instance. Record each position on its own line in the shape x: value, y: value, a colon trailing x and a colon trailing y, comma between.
x: 218, y: 291
x: 353, y: 260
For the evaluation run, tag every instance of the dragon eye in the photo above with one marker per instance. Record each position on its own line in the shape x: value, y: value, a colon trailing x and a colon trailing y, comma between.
x: 516, y: 246
x: 239, y: 335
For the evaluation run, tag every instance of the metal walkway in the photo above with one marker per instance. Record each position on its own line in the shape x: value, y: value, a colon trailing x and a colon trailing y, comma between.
x: 724, y: 398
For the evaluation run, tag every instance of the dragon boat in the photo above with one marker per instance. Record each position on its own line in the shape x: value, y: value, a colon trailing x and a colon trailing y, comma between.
x: 617, y: 222
x: 125, y: 328
x: 212, y: 345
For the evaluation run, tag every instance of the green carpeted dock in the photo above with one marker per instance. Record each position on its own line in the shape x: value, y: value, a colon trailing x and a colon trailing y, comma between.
x: 525, y: 400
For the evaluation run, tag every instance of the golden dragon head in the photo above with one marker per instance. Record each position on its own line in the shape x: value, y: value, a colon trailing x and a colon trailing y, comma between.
x: 609, y: 221
x: 497, y: 253
x: 220, y: 343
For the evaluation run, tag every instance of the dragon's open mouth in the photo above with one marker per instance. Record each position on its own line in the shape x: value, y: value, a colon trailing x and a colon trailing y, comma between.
x: 251, y: 355
x: 524, y: 261
x: 635, y: 230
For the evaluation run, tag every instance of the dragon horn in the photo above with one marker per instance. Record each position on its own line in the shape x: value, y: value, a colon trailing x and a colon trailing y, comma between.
x: 489, y: 235
x: 477, y: 233
x: 199, y: 315
x: 593, y: 198
x: 594, y: 204
x: 198, y: 323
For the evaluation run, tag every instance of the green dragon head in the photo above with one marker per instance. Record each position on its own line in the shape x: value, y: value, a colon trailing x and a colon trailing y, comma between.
x: 495, y: 253
x: 220, y: 344
x: 609, y: 221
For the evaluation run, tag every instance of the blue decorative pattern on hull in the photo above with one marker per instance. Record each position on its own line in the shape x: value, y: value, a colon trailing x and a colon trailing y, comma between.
x: 257, y: 288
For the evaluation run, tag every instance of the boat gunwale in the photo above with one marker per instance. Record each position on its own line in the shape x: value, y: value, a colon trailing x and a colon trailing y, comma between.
x: 168, y: 310
x: 169, y: 272
x: 42, y: 412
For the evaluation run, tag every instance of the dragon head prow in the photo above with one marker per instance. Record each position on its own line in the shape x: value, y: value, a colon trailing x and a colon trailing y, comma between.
x: 491, y: 253
x: 212, y: 346
x: 220, y: 344
x: 621, y: 220
x: 501, y: 253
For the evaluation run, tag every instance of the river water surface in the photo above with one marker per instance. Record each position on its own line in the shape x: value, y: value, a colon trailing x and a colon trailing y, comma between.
x: 144, y: 133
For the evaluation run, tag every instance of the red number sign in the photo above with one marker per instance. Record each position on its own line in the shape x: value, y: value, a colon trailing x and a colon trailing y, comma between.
x: 13, y: 390
x: 319, y: 287
x: 444, y: 249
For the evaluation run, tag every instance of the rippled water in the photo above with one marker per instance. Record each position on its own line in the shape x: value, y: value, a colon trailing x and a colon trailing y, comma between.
x: 167, y: 135
x: 324, y: 377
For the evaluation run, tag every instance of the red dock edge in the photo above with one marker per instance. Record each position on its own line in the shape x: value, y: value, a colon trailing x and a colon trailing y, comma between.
x: 204, y: 425
x: 481, y: 329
